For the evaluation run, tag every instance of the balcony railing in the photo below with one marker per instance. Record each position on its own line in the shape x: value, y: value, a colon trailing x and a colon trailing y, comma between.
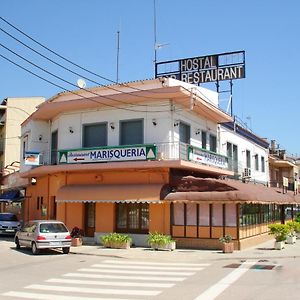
x: 159, y: 151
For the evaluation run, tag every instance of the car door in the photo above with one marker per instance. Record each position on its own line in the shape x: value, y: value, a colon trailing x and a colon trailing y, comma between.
x: 27, y: 234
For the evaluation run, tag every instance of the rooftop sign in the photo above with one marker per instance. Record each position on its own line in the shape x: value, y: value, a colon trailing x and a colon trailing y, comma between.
x: 202, y: 69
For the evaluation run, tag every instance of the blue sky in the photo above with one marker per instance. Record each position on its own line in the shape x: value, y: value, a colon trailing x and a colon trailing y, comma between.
x: 85, y: 32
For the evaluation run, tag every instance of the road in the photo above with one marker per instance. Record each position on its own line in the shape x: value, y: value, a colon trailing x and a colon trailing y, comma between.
x: 53, y: 275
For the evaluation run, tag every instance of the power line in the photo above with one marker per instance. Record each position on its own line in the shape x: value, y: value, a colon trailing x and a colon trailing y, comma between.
x: 69, y: 61
x: 72, y: 92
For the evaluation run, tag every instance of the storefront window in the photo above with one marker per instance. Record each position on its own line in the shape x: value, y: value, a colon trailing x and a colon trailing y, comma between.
x: 133, y: 217
x: 204, y: 214
x: 217, y: 215
x: 191, y: 214
x: 230, y: 213
x: 178, y: 210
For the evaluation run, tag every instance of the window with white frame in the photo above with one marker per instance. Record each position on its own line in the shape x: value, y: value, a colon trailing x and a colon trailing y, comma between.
x: 132, y: 132
x: 262, y: 163
x: 256, y: 162
x: 248, y: 159
x: 212, y: 143
x: 204, y: 139
x: 94, y: 135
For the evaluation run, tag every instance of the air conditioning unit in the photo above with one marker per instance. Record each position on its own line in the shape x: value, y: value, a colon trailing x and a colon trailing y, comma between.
x: 247, y: 173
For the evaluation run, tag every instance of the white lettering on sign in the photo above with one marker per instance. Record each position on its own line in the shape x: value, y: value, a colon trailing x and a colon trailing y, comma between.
x: 198, y: 63
x: 110, y: 154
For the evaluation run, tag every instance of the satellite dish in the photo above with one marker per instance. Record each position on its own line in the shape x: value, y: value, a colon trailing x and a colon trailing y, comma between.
x: 81, y: 83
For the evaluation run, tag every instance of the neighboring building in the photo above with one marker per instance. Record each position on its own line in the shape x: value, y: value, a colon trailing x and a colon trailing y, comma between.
x: 247, y: 153
x: 13, y: 112
x: 283, y: 167
x: 120, y: 158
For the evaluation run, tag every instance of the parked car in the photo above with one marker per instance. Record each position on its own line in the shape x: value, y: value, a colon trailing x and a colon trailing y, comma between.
x: 44, y: 234
x: 9, y: 223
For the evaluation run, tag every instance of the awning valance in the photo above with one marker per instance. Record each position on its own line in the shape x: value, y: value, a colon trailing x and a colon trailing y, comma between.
x: 144, y: 193
x: 11, y: 196
x: 209, y: 190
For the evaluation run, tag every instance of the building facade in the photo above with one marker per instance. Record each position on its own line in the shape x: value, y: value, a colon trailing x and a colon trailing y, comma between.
x: 117, y: 158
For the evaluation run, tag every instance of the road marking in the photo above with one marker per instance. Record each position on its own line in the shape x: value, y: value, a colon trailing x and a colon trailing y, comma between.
x: 56, y: 296
x: 102, y: 276
x: 136, y: 272
x: 119, y: 262
x: 215, y: 290
x: 111, y: 283
x: 74, y: 289
x: 146, y: 267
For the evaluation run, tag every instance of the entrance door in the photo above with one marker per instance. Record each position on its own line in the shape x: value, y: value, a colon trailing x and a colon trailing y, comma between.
x: 89, y: 219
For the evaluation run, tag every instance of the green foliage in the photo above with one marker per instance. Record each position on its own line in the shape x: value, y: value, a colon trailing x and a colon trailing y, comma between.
x: 159, y: 239
x: 114, y: 237
x: 226, y: 239
x: 293, y: 226
x: 280, y: 231
x: 297, y: 219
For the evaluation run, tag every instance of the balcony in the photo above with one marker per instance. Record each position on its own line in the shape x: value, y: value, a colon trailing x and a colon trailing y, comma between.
x: 163, y: 154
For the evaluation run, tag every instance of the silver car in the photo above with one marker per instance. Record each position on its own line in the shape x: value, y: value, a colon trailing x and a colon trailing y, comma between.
x: 44, y: 234
x: 9, y: 223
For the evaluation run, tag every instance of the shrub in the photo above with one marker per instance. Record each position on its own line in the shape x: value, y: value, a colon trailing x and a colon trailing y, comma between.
x: 280, y: 231
x: 293, y: 227
x: 159, y: 239
x: 226, y: 239
x: 114, y: 237
x: 297, y: 219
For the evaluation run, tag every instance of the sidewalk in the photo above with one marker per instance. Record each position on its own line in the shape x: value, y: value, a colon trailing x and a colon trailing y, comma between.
x: 262, y: 251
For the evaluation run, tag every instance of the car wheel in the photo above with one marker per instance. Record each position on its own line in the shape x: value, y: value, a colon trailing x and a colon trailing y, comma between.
x: 66, y: 250
x: 17, y: 243
x: 34, y: 249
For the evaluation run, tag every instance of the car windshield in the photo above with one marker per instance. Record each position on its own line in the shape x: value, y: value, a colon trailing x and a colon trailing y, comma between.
x: 53, y: 228
x: 8, y: 217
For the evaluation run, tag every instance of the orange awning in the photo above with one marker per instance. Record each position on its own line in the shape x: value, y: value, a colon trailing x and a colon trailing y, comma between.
x: 144, y: 193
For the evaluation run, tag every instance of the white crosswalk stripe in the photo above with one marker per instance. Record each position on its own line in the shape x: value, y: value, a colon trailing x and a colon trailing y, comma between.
x: 135, y: 272
x: 111, y: 283
x: 128, y: 277
x: 111, y: 278
x: 146, y: 267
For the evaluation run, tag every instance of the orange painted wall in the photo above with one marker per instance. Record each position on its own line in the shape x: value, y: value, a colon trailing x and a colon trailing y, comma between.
x: 74, y: 215
x: 159, y: 218
x: 105, y: 217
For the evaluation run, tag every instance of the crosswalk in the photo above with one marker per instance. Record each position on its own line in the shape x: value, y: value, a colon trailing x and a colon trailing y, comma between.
x: 112, y: 279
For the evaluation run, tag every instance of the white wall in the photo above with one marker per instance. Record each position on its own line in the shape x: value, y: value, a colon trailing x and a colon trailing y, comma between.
x: 163, y: 132
x: 227, y: 135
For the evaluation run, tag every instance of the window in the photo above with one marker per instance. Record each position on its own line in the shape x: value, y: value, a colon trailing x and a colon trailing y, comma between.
x: 203, y: 139
x: 204, y: 215
x: 262, y: 163
x: 94, y: 135
x: 54, y: 144
x: 232, y: 154
x: 230, y: 215
x: 184, y: 133
x: 217, y: 215
x: 256, y: 162
x: 248, y: 159
x: 178, y: 213
x: 133, y: 217
x: 131, y: 132
x: 212, y: 143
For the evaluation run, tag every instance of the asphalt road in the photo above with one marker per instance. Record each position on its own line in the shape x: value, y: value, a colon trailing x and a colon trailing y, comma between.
x: 53, y: 275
